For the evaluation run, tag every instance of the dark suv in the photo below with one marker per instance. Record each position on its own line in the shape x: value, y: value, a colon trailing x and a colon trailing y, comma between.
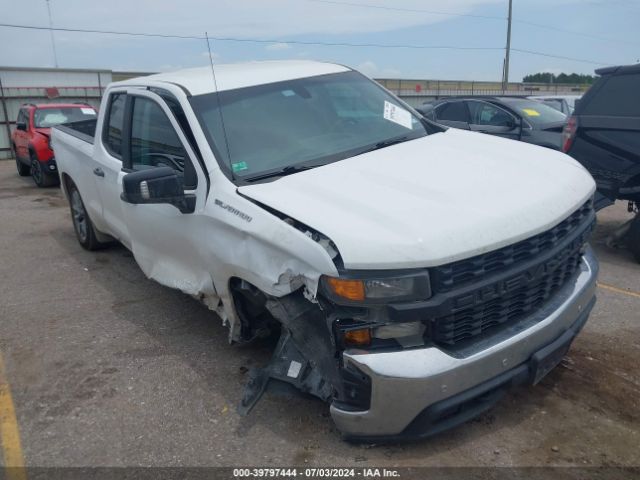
x: 604, y: 135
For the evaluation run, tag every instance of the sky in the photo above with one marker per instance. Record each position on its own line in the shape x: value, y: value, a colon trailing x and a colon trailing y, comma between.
x: 604, y: 32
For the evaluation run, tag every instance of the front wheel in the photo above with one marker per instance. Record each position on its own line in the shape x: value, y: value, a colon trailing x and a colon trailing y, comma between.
x: 40, y: 176
x: 633, y: 237
x: 23, y: 170
x: 85, y: 231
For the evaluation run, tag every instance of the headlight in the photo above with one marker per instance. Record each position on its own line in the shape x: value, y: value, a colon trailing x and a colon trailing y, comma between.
x: 408, y: 334
x: 399, y: 330
x: 378, y: 288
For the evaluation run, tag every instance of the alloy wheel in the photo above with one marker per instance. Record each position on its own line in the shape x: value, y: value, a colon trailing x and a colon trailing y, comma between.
x: 79, y: 215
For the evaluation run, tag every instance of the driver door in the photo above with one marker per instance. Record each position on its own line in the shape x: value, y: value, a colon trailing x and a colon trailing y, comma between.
x: 164, y: 241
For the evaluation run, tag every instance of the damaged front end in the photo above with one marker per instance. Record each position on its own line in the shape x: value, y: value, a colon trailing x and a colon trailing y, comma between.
x: 306, y: 356
x: 349, y: 312
x: 308, y: 353
x: 320, y: 320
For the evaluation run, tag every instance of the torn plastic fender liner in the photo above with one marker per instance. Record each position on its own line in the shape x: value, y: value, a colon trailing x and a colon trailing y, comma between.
x: 304, y: 356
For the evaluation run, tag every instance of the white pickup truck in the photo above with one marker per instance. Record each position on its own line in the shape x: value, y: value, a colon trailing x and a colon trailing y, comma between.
x: 413, y: 273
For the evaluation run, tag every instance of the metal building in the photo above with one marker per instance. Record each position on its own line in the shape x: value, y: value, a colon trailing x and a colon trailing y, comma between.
x: 47, y: 85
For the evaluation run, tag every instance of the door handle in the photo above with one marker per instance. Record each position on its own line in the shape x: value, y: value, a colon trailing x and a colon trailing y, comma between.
x: 98, y: 171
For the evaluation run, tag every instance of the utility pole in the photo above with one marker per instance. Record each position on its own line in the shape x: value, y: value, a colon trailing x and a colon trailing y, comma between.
x: 505, y: 75
x: 53, y: 42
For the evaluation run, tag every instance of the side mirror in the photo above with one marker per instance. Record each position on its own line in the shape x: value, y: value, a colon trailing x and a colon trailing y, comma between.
x: 21, y: 126
x: 157, y: 185
x: 513, y: 123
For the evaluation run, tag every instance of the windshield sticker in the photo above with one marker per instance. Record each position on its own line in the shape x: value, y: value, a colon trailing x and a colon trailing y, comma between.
x: 531, y: 112
x: 88, y: 111
x: 238, y: 167
x: 288, y: 93
x: 398, y: 115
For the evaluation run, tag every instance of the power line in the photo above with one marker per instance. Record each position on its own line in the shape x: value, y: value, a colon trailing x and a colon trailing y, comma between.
x: 250, y: 40
x: 451, y: 14
x: 542, y: 54
x: 412, y: 10
x: 297, y: 42
x: 107, y: 32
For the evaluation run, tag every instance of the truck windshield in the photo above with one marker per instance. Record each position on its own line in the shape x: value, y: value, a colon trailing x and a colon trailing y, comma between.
x: 48, y: 117
x: 297, y: 124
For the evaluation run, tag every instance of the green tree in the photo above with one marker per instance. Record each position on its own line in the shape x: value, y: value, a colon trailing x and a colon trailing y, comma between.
x: 547, y: 77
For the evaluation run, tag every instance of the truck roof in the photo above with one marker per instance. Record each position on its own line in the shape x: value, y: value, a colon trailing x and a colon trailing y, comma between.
x: 635, y: 68
x: 56, y: 105
x: 199, y: 80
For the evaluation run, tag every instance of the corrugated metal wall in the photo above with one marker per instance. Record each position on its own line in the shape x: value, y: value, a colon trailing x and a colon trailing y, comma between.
x: 44, y: 85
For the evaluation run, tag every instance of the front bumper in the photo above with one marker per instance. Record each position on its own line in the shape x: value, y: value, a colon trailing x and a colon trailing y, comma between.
x: 414, y: 392
x: 50, y: 166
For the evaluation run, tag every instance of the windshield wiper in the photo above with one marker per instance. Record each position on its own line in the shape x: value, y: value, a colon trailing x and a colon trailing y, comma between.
x: 289, y: 170
x: 386, y: 143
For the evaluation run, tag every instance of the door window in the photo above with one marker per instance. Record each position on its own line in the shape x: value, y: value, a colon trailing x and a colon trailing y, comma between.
x: 483, y: 113
x: 22, y: 118
x: 155, y: 143
x: 114, y: 124
x: 453, y: 111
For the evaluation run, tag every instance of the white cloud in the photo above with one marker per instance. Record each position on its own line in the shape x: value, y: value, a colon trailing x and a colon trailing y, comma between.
x: 216, y: 56
x: 275, y: 47
x: 371, y: 69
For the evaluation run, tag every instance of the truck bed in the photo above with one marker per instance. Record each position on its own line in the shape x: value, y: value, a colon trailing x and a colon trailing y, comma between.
x: 84, y: 130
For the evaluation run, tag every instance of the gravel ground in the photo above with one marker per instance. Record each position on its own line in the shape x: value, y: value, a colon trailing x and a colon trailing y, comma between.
x: 108, y: 368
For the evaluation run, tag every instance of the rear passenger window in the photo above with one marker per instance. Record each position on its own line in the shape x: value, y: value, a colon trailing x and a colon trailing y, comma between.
x: 618, y: 97
x: 114, y: 124
x: 454, y: 111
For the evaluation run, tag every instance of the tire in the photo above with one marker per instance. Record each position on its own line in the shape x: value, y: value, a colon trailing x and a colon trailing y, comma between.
x: 23, y: 170
x: 633, y: 237
x: 85, y: 231
x: 40, y: 177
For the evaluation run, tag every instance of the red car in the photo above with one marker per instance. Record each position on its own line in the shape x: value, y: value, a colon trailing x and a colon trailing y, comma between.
x: 30, y: 139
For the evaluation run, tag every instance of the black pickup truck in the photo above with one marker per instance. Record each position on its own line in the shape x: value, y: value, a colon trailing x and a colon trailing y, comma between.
x: 604, y: 135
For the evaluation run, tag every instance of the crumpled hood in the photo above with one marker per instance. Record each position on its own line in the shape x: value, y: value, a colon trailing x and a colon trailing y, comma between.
x: 431, y: 201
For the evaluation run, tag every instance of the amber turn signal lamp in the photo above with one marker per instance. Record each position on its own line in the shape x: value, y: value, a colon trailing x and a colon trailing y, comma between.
x: 359, y: 338
x: 345, y: 288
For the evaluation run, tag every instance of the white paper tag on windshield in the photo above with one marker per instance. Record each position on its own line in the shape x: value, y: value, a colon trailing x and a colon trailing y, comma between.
x: 398, y: 115
x: 294, y: 369
x: 88, y: 111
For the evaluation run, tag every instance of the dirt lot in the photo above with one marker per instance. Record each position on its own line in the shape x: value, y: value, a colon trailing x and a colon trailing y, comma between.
x: 108, y: 368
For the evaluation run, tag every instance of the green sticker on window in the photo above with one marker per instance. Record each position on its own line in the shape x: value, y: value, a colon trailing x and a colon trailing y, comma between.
x: 238, y: 167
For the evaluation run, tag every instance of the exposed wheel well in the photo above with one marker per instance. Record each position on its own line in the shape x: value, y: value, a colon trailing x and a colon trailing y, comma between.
x: 66, y: 184
x: 250, y: 303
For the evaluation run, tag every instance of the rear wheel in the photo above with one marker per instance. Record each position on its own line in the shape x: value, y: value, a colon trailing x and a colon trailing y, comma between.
x: 85, y: 231
x: 23, y: 170
x: 39, y: 175
x: 633, y: 237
